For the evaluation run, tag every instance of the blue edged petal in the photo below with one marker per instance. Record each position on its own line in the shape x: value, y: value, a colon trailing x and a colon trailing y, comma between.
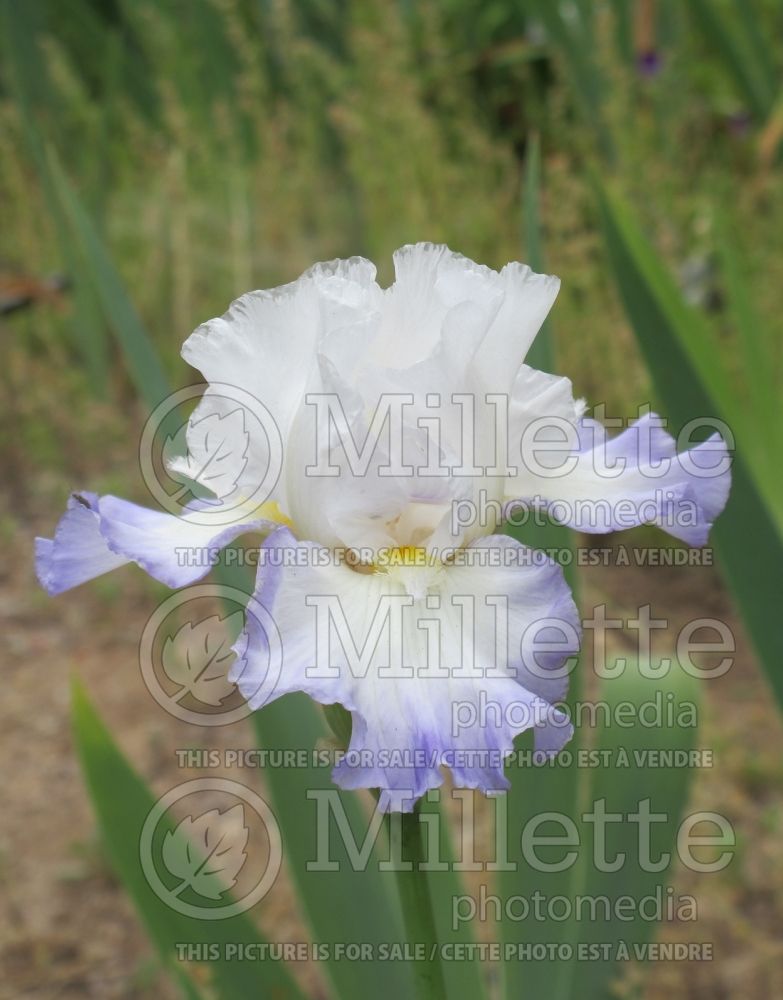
x: 414, y: 712
x: 98, y: 534
x: 78, y: 552
x: 634, y: 478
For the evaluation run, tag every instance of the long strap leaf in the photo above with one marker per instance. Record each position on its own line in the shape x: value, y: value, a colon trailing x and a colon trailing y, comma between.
x: 639, y: 772
x: 122, y: 802
x: 539, y: 789
x: 139, y: 353
x: 746, y: 535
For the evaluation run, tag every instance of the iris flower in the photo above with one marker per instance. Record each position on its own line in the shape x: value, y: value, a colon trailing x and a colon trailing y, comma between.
x: 411, y: 429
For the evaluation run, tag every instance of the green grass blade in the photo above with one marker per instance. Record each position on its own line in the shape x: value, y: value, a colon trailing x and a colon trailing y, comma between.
x: 342, y: 906
x: 763, y: 401
x: 762, y: 53
x: 538, y: 789
x: 689, y: 327
x: 463, y: 978
x: 122, y: 802
x: 541, y: 353
x: 629, y: 775
x: 725, y: 41
x: 28, y: 81
x: 622, y: 13
x: 138, y: 351
x: 747, y: 525
x: 586, y: 81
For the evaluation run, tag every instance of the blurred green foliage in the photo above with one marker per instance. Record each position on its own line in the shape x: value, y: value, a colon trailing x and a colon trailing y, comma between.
x: 168, y: 155
x: 226, y: 144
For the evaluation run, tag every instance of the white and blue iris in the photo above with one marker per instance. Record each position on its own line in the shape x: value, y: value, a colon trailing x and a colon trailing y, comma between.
x: 446, y: 332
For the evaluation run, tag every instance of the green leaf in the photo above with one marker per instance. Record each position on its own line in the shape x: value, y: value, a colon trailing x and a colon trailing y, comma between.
x: 139, y: 354
x: 748, y: 67
x: 622, y: 772
x: 746, y: 535
x: 758, y: 46
x: 407, y: 835
x: 622, y: 13
x: 343, y: 906
x: 759, y: 375
x: 586, y: 81
x: 639, y: 768
x: 29, y: 83
x: 122, y: 802
x: 463, y: 978
x: 541, y: 353
x: 536, y: 789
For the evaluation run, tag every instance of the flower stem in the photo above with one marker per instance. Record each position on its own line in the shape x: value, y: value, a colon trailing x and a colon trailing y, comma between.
x: 406, y: 837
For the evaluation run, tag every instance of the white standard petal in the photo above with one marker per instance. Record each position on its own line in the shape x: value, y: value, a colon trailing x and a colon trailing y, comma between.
x: 259, y: 357
x: 527, y: 299
x: 505, y: 311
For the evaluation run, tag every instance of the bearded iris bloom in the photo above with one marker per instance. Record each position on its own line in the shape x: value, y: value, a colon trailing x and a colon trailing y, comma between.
x: 411, y: 429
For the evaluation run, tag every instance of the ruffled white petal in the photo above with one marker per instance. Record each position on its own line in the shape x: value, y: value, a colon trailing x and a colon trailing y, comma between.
x: 446, y: 328
x: 266, y: 346
x: 434, y: 674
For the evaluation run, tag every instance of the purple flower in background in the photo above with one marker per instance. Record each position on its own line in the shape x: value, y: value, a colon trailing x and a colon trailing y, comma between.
x: 649, y: 63
x: 410, y: 429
